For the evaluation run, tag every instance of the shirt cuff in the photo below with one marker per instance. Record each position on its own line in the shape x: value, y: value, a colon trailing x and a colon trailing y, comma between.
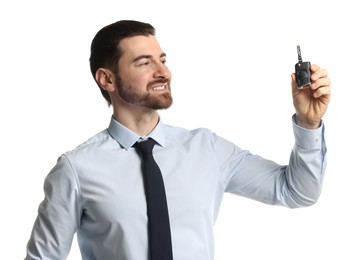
x: 308, y: 138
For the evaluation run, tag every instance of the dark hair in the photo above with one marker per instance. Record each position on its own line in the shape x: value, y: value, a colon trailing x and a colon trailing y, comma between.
x: 105, y: 52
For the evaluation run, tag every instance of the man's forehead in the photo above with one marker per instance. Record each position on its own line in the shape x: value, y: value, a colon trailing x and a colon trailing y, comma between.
x: 139, y: 45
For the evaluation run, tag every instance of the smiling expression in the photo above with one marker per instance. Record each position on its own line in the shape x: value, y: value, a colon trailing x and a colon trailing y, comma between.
x: 143, y: 77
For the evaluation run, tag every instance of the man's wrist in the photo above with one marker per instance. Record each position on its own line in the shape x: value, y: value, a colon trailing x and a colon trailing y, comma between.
x: 306, y: 123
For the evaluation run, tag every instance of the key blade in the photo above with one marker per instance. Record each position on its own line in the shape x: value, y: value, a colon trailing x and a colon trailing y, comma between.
x: 299, y: 53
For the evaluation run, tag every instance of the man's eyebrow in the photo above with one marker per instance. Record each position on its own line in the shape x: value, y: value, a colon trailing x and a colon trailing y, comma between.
x: 147, y: 57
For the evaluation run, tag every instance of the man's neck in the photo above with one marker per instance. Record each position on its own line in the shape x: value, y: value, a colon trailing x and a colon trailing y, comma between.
x: 139, y: 121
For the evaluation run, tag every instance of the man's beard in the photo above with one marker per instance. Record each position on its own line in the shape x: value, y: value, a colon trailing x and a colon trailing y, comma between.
x: 133, y: 95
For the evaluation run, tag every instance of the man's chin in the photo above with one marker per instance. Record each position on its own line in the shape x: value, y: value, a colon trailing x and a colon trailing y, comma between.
x: 164, y: 102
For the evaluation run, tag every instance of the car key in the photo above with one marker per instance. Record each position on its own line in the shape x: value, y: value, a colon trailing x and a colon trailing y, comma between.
x: 303, y: 72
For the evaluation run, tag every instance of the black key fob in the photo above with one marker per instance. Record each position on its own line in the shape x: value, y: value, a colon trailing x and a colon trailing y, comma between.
x: 303, y: 72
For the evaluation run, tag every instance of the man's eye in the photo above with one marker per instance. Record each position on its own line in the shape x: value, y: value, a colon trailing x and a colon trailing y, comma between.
x: 143, y: 62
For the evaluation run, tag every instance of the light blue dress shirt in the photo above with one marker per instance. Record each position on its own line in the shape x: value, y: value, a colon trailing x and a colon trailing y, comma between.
x: 97, y: 191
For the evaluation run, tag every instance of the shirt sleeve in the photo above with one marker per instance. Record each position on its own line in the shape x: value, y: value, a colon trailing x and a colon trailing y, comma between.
x: 58, y: 215
x: 297, y: 184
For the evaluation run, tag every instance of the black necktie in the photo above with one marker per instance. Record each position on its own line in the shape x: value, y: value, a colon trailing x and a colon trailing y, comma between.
x: 160, y: 245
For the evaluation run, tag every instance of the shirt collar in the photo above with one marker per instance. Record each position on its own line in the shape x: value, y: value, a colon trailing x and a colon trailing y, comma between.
x: 127, y: 137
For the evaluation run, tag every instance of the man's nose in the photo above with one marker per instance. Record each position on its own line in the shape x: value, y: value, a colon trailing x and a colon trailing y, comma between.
x: 162, y: 71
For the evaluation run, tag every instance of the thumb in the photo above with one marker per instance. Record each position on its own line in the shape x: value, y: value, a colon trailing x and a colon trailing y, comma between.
x: 294, y: 84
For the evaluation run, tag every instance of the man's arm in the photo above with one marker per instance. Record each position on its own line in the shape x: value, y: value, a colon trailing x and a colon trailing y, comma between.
x: 300, y: 182
x: 58, y: 215
x: 297, y: 184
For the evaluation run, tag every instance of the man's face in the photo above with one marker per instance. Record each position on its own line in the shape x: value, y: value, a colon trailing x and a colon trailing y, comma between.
x: 144, y: 78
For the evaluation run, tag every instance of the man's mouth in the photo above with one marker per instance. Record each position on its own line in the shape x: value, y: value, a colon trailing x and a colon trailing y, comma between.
x: 160, y: 87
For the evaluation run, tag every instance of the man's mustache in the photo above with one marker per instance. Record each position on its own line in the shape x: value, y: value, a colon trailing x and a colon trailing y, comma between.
x: 158, y: 81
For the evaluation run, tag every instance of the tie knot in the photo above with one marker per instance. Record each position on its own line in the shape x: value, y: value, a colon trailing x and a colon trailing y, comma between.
x: 145, y: 146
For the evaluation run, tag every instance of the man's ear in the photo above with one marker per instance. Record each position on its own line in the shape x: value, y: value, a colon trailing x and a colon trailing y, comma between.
x: 105, y: 78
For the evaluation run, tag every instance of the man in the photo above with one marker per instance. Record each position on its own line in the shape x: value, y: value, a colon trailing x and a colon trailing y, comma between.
x: 98, y: 191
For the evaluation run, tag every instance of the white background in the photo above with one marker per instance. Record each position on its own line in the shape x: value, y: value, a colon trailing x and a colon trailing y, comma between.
x: 231, y: 63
